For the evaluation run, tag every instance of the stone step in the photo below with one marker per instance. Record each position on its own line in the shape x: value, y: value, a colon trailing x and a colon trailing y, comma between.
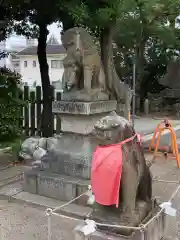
x: 56, y: 186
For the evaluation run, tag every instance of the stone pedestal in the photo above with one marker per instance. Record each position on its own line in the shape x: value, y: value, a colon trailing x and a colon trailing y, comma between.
x: 153, y: 231
x: 79, y: 117
x: 66, y: 168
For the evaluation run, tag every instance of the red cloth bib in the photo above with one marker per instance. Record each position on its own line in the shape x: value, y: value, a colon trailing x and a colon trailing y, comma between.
x: 106, y: 173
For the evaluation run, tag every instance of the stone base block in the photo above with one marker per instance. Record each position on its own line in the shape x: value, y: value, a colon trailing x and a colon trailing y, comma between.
x: 80, y: 117
x: 30, y: 182
x: 79, y: 124
x: 154, y: 231
x: 55, y: 186
x: 71, y: 155
x: 82, y: 95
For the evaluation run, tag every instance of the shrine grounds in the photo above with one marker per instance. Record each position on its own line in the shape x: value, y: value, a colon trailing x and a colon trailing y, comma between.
x: 22, y: 216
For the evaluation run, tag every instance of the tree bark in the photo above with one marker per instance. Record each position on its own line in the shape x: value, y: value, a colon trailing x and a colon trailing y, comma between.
x: 107, y: 55
x: 46, y: 118
x: 140, y: 71
x: 67, y: 21
x: 117, y: 89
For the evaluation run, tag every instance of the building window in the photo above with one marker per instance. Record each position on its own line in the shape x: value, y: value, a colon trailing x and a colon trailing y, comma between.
x: 56, y: 64
x: 34, y: 63
x: 16, y: 64
x: 25, y: 63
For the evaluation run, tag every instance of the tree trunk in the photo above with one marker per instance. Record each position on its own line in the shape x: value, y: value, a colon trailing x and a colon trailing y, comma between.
x: 46, y: 118
x: 143, y: 94
x: 140, y: 71
x: 117, y: 89
x: 107, y: 55
x: 67, y: 21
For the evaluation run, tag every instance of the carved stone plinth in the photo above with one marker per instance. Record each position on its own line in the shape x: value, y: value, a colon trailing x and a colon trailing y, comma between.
x: 80, y: 117
x: 82, y: 95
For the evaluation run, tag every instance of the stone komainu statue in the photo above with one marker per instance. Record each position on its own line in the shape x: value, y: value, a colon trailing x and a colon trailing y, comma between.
x: 84, y: 74
x: 82, y: 65
x: 136, y: 183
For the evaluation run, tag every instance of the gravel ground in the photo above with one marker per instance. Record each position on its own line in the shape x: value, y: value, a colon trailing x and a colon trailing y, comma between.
x: 23, y: 222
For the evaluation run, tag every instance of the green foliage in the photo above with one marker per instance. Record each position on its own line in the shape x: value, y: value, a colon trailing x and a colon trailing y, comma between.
x: 97, y: 14
x: 10, y: 105
x: 148, y: 32
x: 140, y: 28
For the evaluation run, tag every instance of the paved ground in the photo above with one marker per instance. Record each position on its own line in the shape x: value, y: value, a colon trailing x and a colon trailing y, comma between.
x: 166, y: 169
x: 146, y: 125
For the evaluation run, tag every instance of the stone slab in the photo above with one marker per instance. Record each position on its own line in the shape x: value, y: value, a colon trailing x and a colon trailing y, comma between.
x: 71, y: 155
x: 79, y: 124
x: 30, y: 182
x: 83, y: 108
x: 82, y: 95
x: 56, y: 186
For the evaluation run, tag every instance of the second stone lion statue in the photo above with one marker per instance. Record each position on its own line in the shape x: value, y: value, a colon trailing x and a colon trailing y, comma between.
x: 82, y: 65
x: 84, y: 77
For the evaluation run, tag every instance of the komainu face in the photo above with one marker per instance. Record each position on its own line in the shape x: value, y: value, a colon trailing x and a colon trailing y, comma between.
x: 112, y: 129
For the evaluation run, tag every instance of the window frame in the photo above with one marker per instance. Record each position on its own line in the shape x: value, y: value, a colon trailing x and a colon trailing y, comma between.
x: 56, y: 64
x: 25, y: 64
x: 34, y: 63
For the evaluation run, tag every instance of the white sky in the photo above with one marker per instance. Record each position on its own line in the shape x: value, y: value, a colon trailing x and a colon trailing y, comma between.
x: 20, y: 40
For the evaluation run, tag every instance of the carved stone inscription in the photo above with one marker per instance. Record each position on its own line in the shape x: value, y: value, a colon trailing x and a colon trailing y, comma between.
x: 83, y: 108
x: 69, y: 107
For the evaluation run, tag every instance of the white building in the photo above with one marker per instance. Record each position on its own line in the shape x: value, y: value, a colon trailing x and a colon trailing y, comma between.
x: 14, y: 60
x: 31, y: 42
x: 29, y: 66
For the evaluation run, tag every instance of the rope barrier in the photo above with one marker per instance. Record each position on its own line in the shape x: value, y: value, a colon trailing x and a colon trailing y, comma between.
x: 141, y: 227
x: 74, y: 199
x: 174, y: 194
x: 50, y: 212
x: 9, y: 166
x: 162, y: 209
x: 9, y: 178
